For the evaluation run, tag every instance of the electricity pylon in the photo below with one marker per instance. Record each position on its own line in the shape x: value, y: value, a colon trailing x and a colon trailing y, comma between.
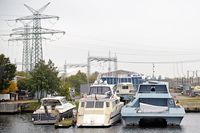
x: 103, y: 59
x: 26, y: 45
x: 36, y: 31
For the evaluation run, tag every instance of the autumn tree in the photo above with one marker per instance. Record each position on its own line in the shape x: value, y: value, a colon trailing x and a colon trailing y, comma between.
x: 7, y: 72
x: 12, y: 88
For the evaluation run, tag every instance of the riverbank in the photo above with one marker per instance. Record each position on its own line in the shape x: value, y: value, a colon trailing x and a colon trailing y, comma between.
x: 25, y: 106
x: 11, y: 107
x: 190, y: 104
x: 30, y: 106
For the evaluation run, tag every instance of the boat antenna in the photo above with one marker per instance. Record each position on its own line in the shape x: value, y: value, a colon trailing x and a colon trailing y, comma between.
x: 153, y: 75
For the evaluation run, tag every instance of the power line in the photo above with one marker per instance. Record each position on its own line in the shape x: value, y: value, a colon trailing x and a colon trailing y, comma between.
x: 102, y: 59
x: 157, y: 54
x: 160, y: 62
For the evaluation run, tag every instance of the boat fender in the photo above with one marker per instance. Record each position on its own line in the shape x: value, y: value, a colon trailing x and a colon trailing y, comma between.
x: 109, y: 118
x: 85, y: 97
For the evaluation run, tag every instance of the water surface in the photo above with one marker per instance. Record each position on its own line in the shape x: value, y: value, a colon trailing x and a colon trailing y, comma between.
x: 21, y: 123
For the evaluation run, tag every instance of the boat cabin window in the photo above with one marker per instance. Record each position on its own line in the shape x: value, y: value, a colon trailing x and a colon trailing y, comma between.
x: 99, y: 104
x: 125, y: 87
x: 51, y: 102
x: 107, y: 104
x: 153, y: 88
x: 82, y: 104
x: 171, y: 103
x: 154, y: 101
x: 99, y: 90
x: 90, y: 104
x: 63, y: 100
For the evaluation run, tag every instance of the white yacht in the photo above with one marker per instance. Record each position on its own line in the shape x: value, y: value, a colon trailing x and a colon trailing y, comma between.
x: 125, y: 91
x: 52, y: 109
x: 100, y: 108
x: 152, y: 103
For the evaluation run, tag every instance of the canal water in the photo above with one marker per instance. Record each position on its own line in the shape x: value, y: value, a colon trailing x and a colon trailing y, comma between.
x: 21, y: 123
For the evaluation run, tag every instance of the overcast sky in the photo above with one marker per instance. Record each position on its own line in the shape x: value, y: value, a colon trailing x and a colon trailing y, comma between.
x: 136, y: 30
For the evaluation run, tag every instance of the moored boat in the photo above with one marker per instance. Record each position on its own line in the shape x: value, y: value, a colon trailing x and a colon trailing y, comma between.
x: 52, y: 109
x: 152, y: 102
x: 125, y: 91
x: 100, y: 108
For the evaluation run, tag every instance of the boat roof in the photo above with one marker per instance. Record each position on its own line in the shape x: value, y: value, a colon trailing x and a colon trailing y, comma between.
x: 125, y: 83
x: 53, y: 98
x: 97, y: 99
x: 153, y: 87
x: 104, y: 85
x: 154, y: 95
x: 101, y: 83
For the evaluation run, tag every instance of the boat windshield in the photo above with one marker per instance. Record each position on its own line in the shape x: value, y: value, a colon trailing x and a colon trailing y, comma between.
x: 51, y: 102
x: 153, y: 88
x: 63, y: 100
x: 99, y: 105
x: 99, y: 90
x: 125, y: 87
x: 92, y: 104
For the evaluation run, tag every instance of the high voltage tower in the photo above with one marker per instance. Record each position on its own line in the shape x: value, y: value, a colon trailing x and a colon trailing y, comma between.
x: 102, y: 59
x: 26, y: 45
x: 88, y: 65
x: 32, y: 53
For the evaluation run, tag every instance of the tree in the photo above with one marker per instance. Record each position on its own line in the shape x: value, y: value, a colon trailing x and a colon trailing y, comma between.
x: 23, y: 80
x: 7, y: 72
x: 24, y: 84
x: 93, y: 77
x: 12, y: 88
x: 23, y: 74
x: 76, y: 80
x: 64, y: 90
x: 44, y: 78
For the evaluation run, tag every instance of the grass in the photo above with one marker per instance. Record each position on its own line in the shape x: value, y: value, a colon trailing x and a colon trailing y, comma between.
x: 77, y: 104
x: 31, y: 106
x: 190, y: 100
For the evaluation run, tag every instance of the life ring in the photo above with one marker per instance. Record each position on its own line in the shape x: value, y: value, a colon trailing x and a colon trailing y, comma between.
x: 171, y: 101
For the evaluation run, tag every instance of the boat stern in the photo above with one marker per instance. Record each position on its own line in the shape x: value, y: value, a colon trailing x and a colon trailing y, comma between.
x: 92, y: 120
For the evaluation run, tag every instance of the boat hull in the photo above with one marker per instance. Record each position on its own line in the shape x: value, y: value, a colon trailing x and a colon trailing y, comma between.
x: 135, y: 120
x: 43, y: 118
x: 98, y: 120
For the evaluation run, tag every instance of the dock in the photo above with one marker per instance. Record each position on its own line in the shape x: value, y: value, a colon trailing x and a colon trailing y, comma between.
x: 18, y: 106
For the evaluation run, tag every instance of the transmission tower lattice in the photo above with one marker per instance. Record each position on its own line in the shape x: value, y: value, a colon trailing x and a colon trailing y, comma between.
x: 26, y: 45
x: 36, y: 52
x: 103, y: 59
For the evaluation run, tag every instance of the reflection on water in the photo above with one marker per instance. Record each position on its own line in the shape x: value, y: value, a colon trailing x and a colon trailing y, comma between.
x: 21, y: 123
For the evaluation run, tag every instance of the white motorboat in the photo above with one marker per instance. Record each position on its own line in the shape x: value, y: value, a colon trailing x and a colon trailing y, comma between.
x: 152, y: 102
x: 125, y: 91
x: 52, y: 109
x: 100, y: 108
